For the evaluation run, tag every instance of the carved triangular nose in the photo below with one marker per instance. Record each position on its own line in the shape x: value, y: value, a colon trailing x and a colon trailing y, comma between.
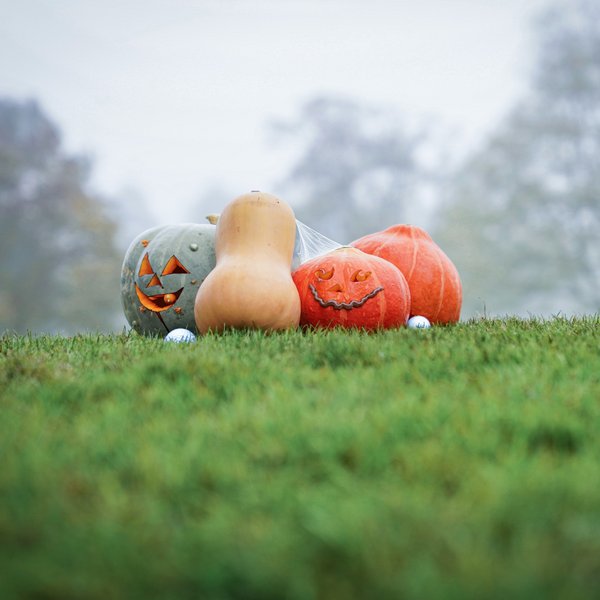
x: 336, y: 287
x: 154, y: 281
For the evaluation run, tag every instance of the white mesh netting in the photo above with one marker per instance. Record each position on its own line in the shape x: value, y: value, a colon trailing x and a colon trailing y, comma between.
x: 310, y: 244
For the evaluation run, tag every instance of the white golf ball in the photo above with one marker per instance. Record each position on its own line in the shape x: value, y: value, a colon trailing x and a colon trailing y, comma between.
x: 419, y: 322
x: 180, y: 335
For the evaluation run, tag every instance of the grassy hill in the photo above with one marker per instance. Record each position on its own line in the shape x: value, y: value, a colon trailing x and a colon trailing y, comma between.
x: 457, y: 462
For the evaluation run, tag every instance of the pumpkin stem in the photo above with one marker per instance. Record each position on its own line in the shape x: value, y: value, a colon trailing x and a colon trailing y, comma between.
x: 212, y: 218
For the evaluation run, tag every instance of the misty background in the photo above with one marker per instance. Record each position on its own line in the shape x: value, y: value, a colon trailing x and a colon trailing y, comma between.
x: 476, y: 120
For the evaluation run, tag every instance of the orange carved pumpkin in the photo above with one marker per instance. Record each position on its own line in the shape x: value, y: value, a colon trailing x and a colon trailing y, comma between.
x: 435, y: 288
x: 348, y: 288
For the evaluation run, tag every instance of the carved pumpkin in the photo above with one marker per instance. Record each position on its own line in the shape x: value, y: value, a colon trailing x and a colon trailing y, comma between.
x: 435, y: 288
x: 348, y: 288
x: 162, y: 271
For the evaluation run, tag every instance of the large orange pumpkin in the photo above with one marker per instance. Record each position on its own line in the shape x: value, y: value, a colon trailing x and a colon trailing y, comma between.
x: 435, y: 288
x: 348, y: 288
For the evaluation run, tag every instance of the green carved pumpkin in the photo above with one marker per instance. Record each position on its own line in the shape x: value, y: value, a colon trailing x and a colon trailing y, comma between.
x: 162, y: 271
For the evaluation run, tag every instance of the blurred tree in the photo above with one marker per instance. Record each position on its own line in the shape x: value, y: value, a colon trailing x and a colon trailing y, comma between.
x: 356, y: 168
x: 521, y: 218
x: 59, y: 269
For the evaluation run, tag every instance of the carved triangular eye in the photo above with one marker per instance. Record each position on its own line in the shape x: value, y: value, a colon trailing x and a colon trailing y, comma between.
x: 324, y: 275
x: 146, y: 267
x: 174, y: 266
x: 361, y: 275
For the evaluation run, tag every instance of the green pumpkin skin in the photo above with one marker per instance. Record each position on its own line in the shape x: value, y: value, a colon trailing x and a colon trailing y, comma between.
x: 148, y: 277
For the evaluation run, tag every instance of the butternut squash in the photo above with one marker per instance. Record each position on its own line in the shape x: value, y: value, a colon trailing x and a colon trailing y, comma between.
x: 251, y: 285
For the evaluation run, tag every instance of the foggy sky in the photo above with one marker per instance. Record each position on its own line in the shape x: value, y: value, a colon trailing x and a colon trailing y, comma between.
x: 171, y: 98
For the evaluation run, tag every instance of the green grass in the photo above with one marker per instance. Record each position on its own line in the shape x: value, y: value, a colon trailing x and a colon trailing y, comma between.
x: 458, y: 462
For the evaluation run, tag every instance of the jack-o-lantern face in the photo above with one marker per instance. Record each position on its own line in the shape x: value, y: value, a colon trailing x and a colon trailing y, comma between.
x: 162, y: 301
x: 161, y: 274
x: 348, y: 288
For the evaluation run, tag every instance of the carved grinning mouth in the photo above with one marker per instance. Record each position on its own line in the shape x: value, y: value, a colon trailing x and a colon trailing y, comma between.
x: 160, y: 302
x: 343, y: 305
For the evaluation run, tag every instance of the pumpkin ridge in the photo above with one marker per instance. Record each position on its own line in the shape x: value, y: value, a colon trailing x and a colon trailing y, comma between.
x: 377, y: 250
x: 382, y: 303
x: 414, y: 255
x: 442, y: 285
x: 456, y: 285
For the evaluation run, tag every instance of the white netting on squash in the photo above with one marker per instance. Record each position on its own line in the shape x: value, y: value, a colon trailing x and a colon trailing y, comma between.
x: 309, y: 244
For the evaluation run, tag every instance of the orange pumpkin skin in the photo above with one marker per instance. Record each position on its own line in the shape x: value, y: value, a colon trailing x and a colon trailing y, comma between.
x: 435, y: 287
x: 351, y: 289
